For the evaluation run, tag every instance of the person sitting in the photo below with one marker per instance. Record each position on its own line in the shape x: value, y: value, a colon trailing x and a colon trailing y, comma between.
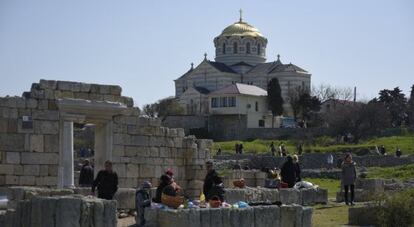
x: 212, y: 183
x: 142, y: 200
x: 173, y: 183
x: 288, y: 172
x: 165, y: 180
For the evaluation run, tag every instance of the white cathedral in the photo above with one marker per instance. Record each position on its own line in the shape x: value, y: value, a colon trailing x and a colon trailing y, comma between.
x: 240, y: 62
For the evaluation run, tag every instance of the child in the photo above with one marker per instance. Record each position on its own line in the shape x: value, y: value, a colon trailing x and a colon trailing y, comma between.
x: 142, y: 200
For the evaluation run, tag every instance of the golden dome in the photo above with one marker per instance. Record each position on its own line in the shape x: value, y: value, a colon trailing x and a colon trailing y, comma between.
x: 241, y: 28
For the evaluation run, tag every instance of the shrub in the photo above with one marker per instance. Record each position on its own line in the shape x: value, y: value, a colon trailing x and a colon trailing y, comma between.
x: 398, y: 210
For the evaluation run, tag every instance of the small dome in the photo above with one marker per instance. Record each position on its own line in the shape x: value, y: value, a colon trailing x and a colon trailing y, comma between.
x: 241, y: 28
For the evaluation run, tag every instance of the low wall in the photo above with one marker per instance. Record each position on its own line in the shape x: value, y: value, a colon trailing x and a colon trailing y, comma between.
x: 365, y: 190
x: 285, y: 196
x: 272, y: 216
x: 318, y: 160
x: 62, y: 211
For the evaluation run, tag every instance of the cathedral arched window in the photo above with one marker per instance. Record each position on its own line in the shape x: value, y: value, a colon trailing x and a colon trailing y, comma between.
x: 259, y: 48
x: 235, y: 48
x: 224, y: 48
x: 248, y: 48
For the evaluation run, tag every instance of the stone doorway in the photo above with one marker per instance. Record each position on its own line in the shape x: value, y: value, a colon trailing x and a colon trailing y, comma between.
x: 98, y: 113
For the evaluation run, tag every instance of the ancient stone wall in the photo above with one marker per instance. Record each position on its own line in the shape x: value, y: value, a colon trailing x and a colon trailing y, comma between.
x: 32, y: 136
x: 318, y: 160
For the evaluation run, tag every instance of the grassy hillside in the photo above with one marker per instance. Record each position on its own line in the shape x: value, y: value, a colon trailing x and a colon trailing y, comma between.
x: 404, y: 172
x: 325, y: 144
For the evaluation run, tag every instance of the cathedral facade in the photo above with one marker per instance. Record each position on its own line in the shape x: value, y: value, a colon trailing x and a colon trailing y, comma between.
x: 240, y: 58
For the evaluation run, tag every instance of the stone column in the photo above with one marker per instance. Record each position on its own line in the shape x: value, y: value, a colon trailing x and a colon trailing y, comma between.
x: 67, y: 155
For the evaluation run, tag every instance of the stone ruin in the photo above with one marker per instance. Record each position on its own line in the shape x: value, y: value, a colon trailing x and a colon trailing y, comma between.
x: 37, y: 161
x: 36, y: 138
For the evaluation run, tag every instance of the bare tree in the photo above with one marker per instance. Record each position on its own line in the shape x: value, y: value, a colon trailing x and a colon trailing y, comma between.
x: 325, y: 92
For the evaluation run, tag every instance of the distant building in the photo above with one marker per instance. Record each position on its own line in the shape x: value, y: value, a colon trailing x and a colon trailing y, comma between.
x: 240, y: 58
x: 242, y: 100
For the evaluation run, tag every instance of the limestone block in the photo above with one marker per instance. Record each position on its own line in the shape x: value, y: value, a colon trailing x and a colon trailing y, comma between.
x: 46, y: 127
x: 68, y: 212
x: 97, y: 97
x: 205, y: 217
x: 49, y: 94
x: 225, y: 217
x: 154, y: 152
x: 128, y: 101
x: 139, y: 140
x: 81, y: 95
x: 308, y: 196
x: 23, y: 213
x: 31, y: 103
x: 146, y: 171
x: 132, y: 170
x: 118, y: 150
x: 307, y: 216
x: 110, y: 218
x: 151, y: 217
x: 87, y: 212
x: 68, y: 86
x: 290, y: 196
x: 122, y: 139
x: 12, y: 157
x: 291, y: 215
x: 12, y: 142
x: 51, y: 115
x: 43, y: 104
x: 194, y: 217
x: 36, y: 143
x: 12, y: 180
x: 85, y: 87
x: 46, y: 181
x: 51, y: 143
x: 31, y: 170
x: 3, y: 125
x: 27, y: 180
x: 39, y: 158
x: 115, y: 90
x: 216, y: 217
x: 52, y: 170
x: 43, y: 170
x: 43, y: 211
x: 321, y: 196
x: 98, y: 212
x: 48, y: 84
x: 267, y: 216
x: 120, y: 169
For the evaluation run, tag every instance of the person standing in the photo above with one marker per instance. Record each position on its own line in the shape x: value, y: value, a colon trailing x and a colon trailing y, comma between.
x: 142, y: 200
x: 86, y: 174
x: 398, y: 152
x: 329, y: 160
x: 212, y: 180
x: 297, y: 168
x: 288, y: 172
x: 106, y: 181
x: 272, y: 148
x: 348, y: 178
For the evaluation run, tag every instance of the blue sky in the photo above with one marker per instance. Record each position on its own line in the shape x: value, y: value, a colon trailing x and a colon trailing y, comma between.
x: 144, y: 45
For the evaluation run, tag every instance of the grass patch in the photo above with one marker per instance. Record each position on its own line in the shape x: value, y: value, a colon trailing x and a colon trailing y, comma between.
x: 324, y: 216
x: 404, y: 172
x: 324, y: 144
x: 332, y: 185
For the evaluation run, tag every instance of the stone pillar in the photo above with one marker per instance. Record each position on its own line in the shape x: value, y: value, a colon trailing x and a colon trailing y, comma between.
x: 67, y: 155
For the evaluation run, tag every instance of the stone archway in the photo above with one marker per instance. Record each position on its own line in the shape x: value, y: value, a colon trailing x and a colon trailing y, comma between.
x: 99, y: 113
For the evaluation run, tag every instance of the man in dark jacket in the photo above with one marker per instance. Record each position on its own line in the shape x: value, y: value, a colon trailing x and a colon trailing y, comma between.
x: 106, y: 181
x: 211, y: 182
x: 86, y: 174
x: 288, y: 172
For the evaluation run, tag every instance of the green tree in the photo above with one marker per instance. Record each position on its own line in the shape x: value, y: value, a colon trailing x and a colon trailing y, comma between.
x: 396, y: 104
x: 303, y: 103
x: 411, y: 108
x: 274, y: 98
x: 163, y: 108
